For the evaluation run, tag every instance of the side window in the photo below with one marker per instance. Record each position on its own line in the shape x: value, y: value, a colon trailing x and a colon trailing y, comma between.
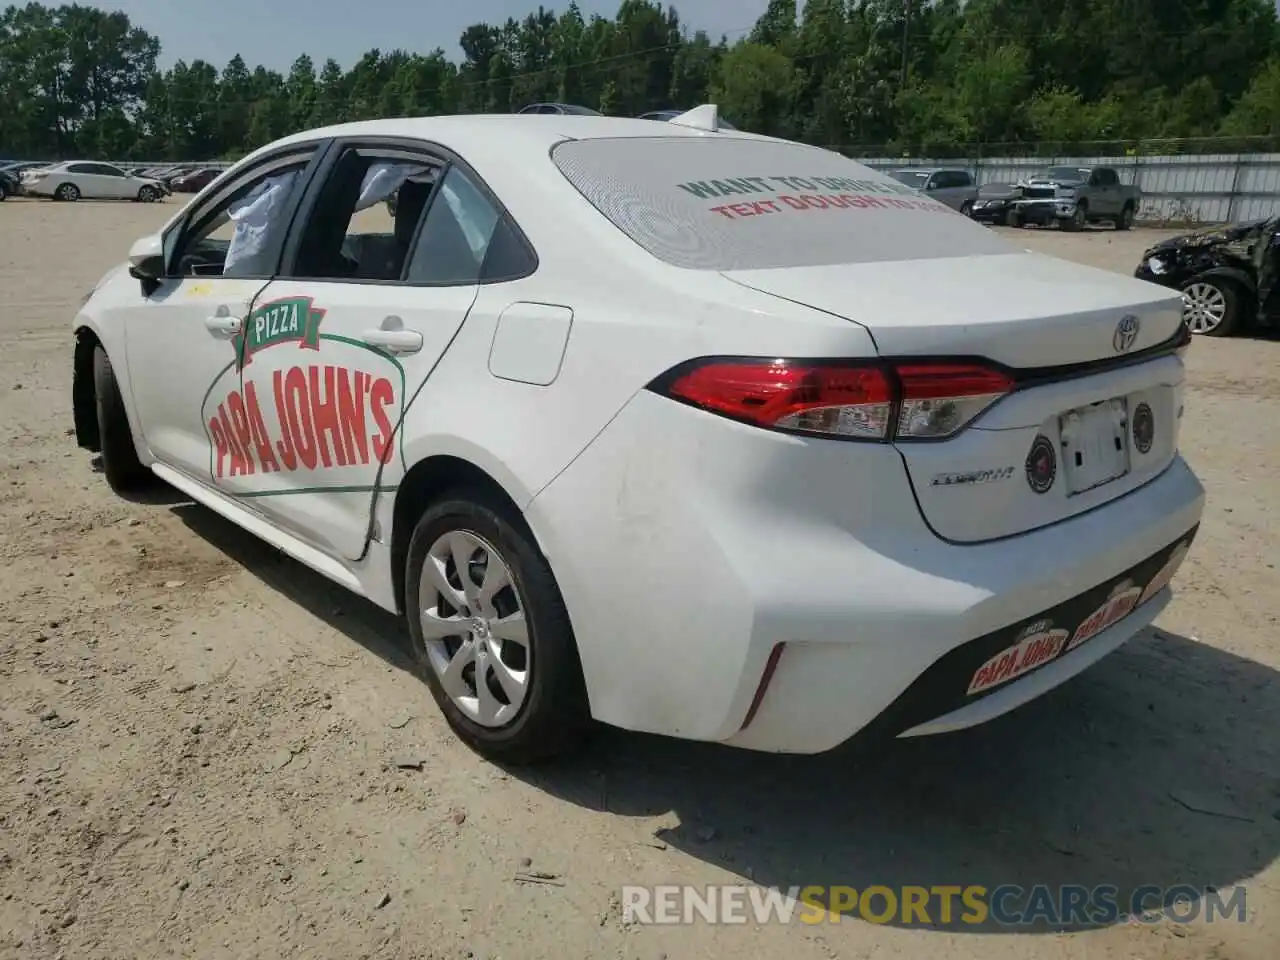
x: 365, y: 217
x: 1110, y: 178
x: 456, y: 234
x: 108, y: 171
x: 80, y: 168
x: 962, y: 179
x: 240, y: 231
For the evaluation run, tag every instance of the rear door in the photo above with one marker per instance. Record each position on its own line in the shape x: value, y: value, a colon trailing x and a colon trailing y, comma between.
x: 338, y: 345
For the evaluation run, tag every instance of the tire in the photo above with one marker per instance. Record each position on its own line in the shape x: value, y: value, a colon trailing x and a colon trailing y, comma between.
x: 966, y: 208
x: 67, y: 192
x: 550, y: 714
x: 1212, y: 306
x: 120, y: 464
x: 1078, y: 220
x: 1011, y: 218
x: 1125, y: 222
x: 148, y: 194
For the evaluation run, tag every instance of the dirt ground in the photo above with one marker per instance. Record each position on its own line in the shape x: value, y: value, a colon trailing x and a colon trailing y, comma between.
x: 197, y: 735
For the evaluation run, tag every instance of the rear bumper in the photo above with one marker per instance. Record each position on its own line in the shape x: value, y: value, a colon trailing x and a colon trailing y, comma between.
x: 688, y: 548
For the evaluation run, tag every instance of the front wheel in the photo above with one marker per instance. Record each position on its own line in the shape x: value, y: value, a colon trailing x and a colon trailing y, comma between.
x: 1211, y: 307
x: 120, y: 464
x: 1078, y: 219
x: 491, y: 633
x: 966, y: 208
x: 148, y: 194
x: 1126, y: 218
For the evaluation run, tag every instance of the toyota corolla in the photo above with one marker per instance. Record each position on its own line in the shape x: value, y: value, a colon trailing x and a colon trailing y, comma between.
x: 672, y: 427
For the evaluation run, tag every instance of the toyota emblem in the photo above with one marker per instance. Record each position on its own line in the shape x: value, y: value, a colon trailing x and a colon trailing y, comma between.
x: 1126, y: 333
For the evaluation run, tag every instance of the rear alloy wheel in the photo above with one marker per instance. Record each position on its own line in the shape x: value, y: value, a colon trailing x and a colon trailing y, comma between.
x: 67, y: 192
x: 1126, y: 218
x: 491, y: 632
x: 147, y: 194
x: 1211, y: 307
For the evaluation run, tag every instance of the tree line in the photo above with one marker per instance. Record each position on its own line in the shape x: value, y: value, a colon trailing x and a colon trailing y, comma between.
x: 932, y: 77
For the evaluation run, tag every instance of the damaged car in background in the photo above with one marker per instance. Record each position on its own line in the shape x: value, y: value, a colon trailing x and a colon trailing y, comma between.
x: 997, y: 203
x: 1074, y: 197
x: 1227, y: 275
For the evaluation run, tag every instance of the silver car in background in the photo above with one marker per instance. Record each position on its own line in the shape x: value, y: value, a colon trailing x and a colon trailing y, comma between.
x: 955, y: 188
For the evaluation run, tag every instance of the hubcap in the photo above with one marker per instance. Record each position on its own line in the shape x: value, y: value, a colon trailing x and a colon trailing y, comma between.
x: 1204, y: 307
x: 474, y: 628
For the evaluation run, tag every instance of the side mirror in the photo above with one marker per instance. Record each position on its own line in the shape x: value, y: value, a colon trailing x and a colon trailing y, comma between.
x: 146, y: 262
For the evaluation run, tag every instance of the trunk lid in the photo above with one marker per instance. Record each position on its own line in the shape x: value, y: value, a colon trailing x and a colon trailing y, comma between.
x: 1106, y: 433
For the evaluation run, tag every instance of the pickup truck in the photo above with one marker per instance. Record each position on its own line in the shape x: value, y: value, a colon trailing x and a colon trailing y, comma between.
x: 1075, y: 196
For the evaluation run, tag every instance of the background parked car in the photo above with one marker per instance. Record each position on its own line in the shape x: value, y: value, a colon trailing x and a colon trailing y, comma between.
x: 955, y: 188
x: 672, y: 114
x: 1227, y: 275
x: 10, y: 184
x: 91, y: 181
x: 173, y: 173
x: 996, y: 204
x: 560, y: 108
x: 195, y: 181
x: 1075, y: 196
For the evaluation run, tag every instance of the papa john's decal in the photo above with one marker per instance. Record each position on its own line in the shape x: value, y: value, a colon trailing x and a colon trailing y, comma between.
x: 319, y: 407
x: 1044, y: 641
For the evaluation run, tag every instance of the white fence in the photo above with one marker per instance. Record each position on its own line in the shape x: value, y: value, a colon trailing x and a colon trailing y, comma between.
x: 1199, y: 188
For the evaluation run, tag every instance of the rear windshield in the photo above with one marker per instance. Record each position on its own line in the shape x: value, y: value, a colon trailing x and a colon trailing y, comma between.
x: 739, y: 204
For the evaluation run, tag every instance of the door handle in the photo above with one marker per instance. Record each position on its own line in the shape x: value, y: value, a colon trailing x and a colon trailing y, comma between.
x: 393, y: 337
x: 223, y: 325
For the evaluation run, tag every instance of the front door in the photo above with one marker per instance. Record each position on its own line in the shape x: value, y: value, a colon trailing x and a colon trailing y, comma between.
x: 339, y: 344
x: 182, y: 339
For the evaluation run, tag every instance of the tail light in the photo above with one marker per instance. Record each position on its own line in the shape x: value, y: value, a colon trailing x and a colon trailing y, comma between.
x: 853, y: 400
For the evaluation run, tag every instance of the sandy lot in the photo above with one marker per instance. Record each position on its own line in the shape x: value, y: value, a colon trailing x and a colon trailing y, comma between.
x: 195, y: 733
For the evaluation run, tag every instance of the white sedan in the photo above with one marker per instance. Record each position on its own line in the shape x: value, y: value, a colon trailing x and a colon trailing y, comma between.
x: 684, y: 430
x: 81, y: 179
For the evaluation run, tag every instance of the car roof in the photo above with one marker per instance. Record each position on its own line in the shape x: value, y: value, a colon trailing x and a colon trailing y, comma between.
x: 503, y: 135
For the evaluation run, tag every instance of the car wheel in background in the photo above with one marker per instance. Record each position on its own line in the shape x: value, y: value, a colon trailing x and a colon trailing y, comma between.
x: 1011, y: 218
x: 1078, y: 219
x: 148, y: 194
x: 1211, y: 306
x: 1126, y: 218
x: 966, y: 208
x: 68, y: 192
x: 491, y: 633
x: 120, y: 463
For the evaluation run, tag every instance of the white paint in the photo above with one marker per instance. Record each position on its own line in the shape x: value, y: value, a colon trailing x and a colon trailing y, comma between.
x: 687, y: 546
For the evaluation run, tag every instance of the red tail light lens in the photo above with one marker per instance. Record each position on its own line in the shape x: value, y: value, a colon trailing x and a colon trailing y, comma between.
x: 840, y: 400
x: 850, y: 400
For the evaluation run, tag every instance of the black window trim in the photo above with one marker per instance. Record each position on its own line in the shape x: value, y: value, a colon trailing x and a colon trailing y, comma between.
x: 286, y: 156
x: 436, y: 153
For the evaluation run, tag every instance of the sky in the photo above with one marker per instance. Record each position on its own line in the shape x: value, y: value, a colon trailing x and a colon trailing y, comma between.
x: 274, y: 32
